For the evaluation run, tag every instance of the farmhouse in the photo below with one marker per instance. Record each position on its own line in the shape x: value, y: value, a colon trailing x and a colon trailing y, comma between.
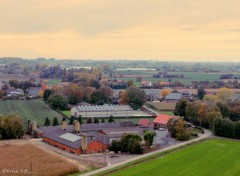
x: 87, y: 138
x: 161, y: 120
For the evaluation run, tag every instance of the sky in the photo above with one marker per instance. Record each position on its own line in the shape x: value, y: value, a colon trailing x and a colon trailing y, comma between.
x: 169, y: 30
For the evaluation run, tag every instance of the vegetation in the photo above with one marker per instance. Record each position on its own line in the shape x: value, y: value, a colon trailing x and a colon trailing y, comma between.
x: 47, y: 122
x: 55, y: 121
x: 188, y: 161
x: 111, y: 119
x: 58, y: 102
x: 136, y: 97
x: 176, y: 127
x: 11, y: 127
x: 34, y: 159
x: 129, y: 143
x: 148, y: 138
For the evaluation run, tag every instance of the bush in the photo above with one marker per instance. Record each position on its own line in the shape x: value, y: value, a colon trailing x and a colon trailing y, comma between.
x: 115, y: 146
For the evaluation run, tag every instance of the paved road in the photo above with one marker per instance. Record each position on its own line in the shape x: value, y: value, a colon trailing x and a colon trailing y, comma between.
x: 206, y: 134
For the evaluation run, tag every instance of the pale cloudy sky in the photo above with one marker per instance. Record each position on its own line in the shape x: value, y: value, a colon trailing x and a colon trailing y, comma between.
x: 188, y: 30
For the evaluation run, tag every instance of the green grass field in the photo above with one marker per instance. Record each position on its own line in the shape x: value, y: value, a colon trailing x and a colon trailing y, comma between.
x: 211, y: 157
x: 29, y: 109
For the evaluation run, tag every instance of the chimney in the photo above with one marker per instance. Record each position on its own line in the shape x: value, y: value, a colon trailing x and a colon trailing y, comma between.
x: 76, y: 125
x: 84, y: 143
x: 64, y: 125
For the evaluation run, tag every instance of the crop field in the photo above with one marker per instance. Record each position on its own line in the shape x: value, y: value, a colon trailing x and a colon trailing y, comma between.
x: 188, y: 77
x: 27, y: 159
x: 29, y: 109
x: 211, y: 157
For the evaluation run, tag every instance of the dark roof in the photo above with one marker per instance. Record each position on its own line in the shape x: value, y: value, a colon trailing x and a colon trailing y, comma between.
x: 89, y: 129
x: 119, y: 132
x: 55, y: 133
x: 34, y: 91
x: 174, y: 96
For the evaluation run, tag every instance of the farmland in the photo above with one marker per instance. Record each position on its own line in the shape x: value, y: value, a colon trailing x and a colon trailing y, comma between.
x: 29, y: 109
x: 188, y: 76
x: 211, y: 157
x: 33, y: 161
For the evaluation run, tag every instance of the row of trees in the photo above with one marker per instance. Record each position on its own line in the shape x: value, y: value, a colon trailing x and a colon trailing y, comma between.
x: 226, y: 128
x: 11, y: 127
x: 55, y: 122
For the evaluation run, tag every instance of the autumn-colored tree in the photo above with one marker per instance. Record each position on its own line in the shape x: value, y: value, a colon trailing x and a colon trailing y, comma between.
x: 165, y: 92
x: 124, y: 97
x: 225, y: 94
x: 1, y: 93
x: 210, y: 98
x: 74, y: 93
x: 130, y: 83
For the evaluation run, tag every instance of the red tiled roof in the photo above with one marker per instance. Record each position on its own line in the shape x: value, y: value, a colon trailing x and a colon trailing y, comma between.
x: 144, y: 122
x: 162, y: 119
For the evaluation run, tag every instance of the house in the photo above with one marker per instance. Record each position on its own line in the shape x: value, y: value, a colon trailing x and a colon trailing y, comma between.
x: 161, y: 120
x: 146, y: 84
x: 34, y: 92
x: 153, y: 94
x: 13, y: 92
x: 173, y: 97
x: 86, y: 138
x: 186, y: 94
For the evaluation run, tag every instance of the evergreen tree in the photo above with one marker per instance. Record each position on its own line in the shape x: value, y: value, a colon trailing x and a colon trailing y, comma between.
x: 72, y: 118
x: 89, y: 120
x: 103, y: 120
x: 47, y: 122
x: 55, y: 121
x: 201, y: 93
x: 64, y: 119
x: 80, y: 119
x: 111, y: 119
x: 96, y: 120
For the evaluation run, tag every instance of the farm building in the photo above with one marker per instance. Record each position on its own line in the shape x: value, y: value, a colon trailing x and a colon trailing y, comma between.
x: 103, y: 111
x: 86, y: 138
x: 161, y: 120
x: 173, y: 97
x: 114, y: 134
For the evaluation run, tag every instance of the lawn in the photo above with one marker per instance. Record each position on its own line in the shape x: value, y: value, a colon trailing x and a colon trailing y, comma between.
x: 211, y: 157
x: 29, y: 109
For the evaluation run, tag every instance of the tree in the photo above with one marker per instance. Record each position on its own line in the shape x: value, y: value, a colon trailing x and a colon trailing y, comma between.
x: 89, y: 120
x: 148, y: 138
x: 95, y: 120
x: 201, y: 93
x: 46, y: 94
x: 165, y: 92
x: 225, y: 94
x: 74, y: 93
x: 129, y: 83
x: 58, y: 102
x: 47, y: 122
x: 136, y: 97
x: 180, y: 108
x: 55, y: 121
x: 181, y: 132
x: 11, y: 126
x: 171, y: 126
x: 123, y: 97
x: 130, y: 143
x: 103, y: 120
x: 72, y: 118
x: 80, y: 119
x: 111, y: 119
x: 1, y: 93
x: 64, y: 119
